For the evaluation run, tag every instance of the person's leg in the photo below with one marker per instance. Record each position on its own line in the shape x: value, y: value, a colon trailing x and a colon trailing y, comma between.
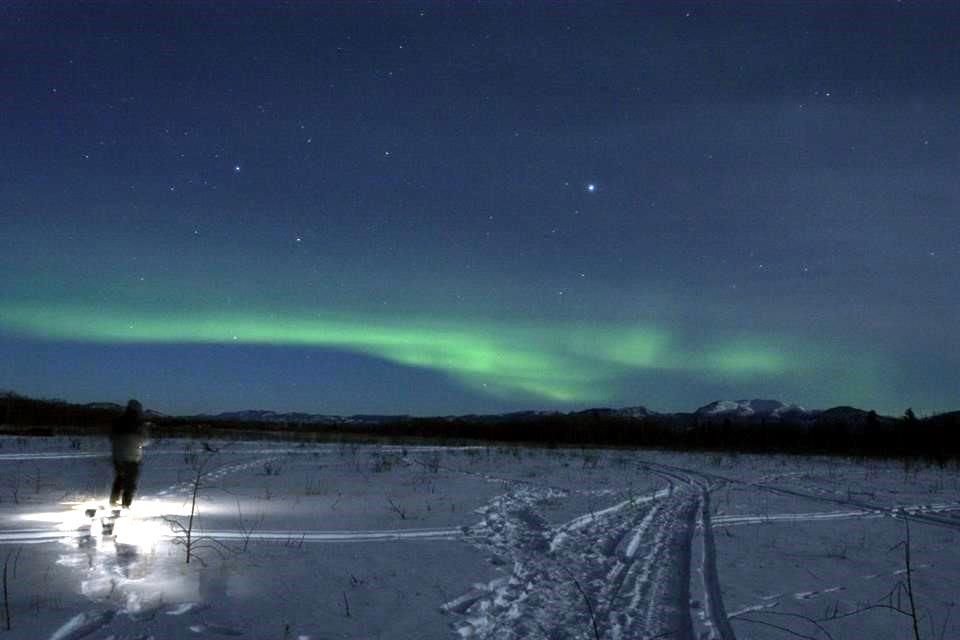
x: 132, y: 475
x: 117, y: 483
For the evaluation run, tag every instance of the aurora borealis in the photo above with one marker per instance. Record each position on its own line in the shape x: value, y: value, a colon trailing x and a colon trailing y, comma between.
x: 561, y: 364
x: 436, y: 208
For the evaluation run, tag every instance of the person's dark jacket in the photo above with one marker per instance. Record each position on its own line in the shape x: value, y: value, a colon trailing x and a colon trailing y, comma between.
x: 128, y: 434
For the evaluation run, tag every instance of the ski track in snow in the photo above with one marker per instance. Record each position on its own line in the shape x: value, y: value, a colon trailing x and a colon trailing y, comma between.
x: 921, y: 513
x: 642, y: 568
x: 773, y: 600
x: 25, y: 536
x: 216, y: 473
x: 49, y: 534
x: 5, y: 457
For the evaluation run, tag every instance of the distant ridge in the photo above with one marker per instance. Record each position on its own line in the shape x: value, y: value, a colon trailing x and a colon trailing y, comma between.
x: 757, y: 426
x: 755, y: 409
x: 274, y: 417
x: 267, y: 416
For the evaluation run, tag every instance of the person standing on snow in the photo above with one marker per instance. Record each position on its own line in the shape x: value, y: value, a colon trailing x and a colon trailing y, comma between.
x: 127, y: 436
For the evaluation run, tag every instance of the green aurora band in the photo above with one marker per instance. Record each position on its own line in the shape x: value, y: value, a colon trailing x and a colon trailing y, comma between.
x: 559, y: 363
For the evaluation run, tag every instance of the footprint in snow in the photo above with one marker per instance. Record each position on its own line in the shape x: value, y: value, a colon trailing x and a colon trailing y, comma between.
x: 216, y: 629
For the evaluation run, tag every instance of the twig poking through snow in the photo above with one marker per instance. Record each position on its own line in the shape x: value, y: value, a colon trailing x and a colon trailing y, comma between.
x: 586, y: 598
x: 6, y: 593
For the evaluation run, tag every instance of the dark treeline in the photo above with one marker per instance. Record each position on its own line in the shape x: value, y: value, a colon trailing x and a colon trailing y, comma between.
x: 20, y: 413
x: 935, y: 438
x: 848, y: 432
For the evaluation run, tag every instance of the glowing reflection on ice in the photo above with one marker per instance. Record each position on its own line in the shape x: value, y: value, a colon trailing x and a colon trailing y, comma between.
x: 138, y: 570
x: 143, y: 524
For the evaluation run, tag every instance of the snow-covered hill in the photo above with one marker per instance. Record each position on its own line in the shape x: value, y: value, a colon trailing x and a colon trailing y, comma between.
x: 759, y: 409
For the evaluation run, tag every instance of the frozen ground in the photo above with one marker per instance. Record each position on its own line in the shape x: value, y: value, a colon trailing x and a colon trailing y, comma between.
x: 344, y: 541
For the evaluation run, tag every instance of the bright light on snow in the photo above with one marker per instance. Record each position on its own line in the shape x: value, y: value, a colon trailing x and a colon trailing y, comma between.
x: 142, y: 524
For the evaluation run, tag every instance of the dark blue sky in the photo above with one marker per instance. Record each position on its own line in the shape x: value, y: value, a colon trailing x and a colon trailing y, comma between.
x: 455, y: 207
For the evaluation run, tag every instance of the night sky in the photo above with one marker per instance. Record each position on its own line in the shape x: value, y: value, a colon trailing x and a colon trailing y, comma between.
x: 435, y: 208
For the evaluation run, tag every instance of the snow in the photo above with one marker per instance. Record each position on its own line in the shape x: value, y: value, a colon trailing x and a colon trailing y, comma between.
x: 750, y: 408
x: 351, y: 541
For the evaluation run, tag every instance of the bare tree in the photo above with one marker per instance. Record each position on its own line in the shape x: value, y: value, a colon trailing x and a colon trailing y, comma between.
x: 184, y: 531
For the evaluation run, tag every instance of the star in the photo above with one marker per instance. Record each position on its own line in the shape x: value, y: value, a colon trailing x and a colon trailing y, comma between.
x: 236, y: 168
x: 591, y: 188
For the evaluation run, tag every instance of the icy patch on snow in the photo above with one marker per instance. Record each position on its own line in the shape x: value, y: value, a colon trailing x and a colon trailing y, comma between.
x: 83, y: 625
x: 186, y: 607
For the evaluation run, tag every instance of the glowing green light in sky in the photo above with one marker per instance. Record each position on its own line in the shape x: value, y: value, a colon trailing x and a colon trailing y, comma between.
x: 738, y: 359
x: 561, y: 363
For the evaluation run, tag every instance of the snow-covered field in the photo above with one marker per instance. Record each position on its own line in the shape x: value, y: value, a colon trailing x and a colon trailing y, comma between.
x: 348, y: 541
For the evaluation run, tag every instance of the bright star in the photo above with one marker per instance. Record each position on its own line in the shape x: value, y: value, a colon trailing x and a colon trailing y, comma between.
x: 591, y: 187
x: 236, y: 168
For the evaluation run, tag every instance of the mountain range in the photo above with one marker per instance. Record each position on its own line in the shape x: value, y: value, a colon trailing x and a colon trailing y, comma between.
x: 741, y: 410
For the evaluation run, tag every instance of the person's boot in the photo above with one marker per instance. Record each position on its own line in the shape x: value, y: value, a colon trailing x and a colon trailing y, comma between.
x: 116, y: 490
